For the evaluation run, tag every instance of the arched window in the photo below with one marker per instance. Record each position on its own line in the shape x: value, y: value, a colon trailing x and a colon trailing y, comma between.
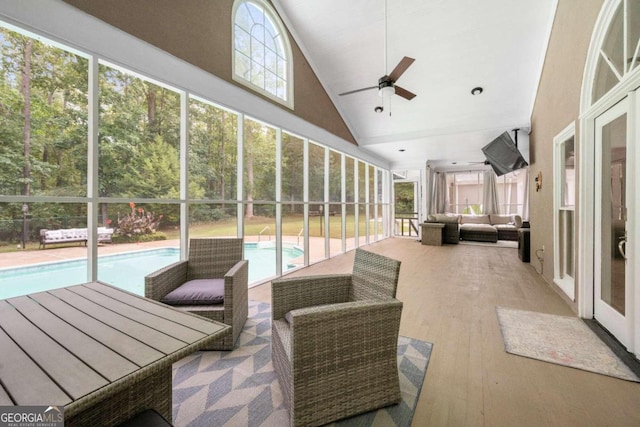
x: 261, y: 51
x: 619, y: 53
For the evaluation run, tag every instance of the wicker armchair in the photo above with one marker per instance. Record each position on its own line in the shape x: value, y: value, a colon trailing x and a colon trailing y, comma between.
x: 210, y: 259
x: 335, y: 341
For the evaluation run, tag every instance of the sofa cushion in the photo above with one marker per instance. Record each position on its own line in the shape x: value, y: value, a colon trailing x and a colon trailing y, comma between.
x: 501, y: 219
x: 53, y: 234
x: 474, y: 219
x: 445, y: 218
x: 69, y: 233
x: 515, y: 220
x: 505, y: 227
x: 485, y: 228
x: 197, y: 292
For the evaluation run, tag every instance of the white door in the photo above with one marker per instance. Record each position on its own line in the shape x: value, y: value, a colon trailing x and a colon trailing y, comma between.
x: 613, y: 285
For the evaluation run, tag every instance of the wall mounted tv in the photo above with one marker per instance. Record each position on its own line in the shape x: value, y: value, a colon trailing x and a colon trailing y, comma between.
x: 503, y: 155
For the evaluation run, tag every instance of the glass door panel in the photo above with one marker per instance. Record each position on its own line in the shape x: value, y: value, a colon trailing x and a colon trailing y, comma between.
x: 613, y: 222
x: 610, y: 302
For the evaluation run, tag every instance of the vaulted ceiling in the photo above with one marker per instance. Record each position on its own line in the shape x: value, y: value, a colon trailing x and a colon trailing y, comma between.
x: 498, y: 45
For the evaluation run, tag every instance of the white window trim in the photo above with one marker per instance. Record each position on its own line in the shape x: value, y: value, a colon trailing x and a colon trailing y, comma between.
x: 275, y: 18
x: 566, y: 283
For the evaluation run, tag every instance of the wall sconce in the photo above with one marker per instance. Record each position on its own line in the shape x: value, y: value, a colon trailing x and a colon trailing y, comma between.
x: 538, y: 181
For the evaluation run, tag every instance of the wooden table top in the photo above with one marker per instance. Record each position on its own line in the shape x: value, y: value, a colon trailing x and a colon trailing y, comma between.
x: 59, y: 346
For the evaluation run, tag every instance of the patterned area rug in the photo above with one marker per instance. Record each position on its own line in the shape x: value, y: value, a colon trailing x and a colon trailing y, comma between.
x: 240, y: 388
x: 557, y: 339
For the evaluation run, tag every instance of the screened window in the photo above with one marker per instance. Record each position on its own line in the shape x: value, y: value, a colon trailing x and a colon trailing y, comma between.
x: 165, y: 166
x: 564, y: 210
x: 43, y: 109
x: 465, y: 192
x: 511, y: 190
x: 335, y: 176
x: 213, y: 151
x: 261, y: 51
x: 292, y: 168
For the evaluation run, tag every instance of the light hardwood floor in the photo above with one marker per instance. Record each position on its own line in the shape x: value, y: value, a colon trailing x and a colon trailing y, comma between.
x: 450, y: 294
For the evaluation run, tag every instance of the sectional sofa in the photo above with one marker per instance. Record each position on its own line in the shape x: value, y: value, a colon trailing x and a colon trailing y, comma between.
x: 479, y: 228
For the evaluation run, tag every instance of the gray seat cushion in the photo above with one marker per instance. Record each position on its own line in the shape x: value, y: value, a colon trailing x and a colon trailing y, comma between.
x: 485, y: 228
x: 197, y: 292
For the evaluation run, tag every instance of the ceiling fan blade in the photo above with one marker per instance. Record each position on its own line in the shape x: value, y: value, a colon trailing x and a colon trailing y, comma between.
x: 404, y: 93
x: 401, y: 68
x: 358, y: 90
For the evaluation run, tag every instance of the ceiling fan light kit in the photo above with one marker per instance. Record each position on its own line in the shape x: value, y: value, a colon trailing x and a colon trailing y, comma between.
x: 386, y: 91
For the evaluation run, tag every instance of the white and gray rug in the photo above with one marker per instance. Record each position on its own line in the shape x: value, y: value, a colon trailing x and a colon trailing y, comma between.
x: 558, y: 339
x: 240, y: 388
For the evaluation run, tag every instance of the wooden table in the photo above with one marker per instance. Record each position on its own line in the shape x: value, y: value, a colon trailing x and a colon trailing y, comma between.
x: 103, y: 353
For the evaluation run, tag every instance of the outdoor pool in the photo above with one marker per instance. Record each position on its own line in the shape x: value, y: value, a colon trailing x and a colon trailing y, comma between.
x: 127, y: 270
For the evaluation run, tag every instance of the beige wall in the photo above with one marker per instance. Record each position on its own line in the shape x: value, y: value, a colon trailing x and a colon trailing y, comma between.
x: 199, y: 32
x: 557, y: 106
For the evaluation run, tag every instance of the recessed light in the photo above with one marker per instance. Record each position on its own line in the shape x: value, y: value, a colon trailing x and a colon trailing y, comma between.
x: 476, y: 90
x: 401, y: 150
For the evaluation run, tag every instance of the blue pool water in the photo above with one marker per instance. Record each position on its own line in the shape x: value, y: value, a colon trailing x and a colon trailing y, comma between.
x: 127, y: 270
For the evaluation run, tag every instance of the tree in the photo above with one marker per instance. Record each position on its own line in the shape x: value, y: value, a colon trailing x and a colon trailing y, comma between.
x: 404, y: 197
x: 212, y: 151
x: 25, y: 85
x: 139, y: 139
x: 259, y: 173
x: 292, y: 171
x: 43, y: 119
x: 153, y: 172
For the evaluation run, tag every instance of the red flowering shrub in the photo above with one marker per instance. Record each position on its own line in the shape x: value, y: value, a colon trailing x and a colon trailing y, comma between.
x: 137, y: 222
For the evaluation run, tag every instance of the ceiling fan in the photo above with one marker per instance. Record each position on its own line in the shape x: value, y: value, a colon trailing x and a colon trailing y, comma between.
x: 387, y: 84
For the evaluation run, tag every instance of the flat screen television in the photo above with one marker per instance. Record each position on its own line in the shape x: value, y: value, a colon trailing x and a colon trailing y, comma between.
x: 503, y: 155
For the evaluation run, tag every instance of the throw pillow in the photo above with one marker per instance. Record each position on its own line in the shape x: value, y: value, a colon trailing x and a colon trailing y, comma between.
x: 197, y: 292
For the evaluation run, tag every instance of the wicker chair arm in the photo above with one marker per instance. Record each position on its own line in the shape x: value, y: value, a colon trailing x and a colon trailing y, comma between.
x: 236, y: 295
x: 332, y: 316
x: 300, y: 292
x: 161, y: 282
x: 237, y: 269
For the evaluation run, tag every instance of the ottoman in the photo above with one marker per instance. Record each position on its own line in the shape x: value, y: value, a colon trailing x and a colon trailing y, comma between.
x: 479, y: 233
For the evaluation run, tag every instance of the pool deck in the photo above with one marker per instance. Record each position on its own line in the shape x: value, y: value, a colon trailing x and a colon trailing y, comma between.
x: 28, y: 257
x: 19, y: 258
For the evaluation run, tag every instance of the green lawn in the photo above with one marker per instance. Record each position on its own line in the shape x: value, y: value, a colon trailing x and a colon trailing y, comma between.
x: 291, y: 226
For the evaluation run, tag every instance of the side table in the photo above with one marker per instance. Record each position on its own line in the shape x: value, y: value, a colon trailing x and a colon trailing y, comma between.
x: 524, y: 242
x: 432, y: 233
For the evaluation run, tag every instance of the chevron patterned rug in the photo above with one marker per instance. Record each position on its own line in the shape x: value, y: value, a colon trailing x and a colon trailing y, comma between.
x: 240, y: 388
